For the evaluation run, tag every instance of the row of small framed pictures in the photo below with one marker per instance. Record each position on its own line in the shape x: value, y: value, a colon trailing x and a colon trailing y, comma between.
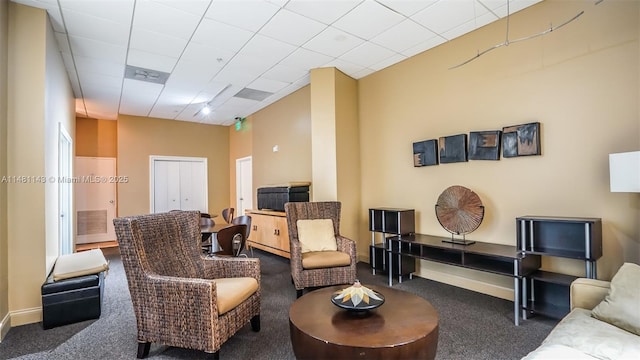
x: 516, y: 140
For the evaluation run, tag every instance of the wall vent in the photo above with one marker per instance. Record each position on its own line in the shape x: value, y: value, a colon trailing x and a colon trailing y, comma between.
x: 148, y: 75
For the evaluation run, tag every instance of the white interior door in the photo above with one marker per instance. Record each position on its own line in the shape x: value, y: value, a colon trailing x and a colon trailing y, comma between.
x: 95, y: 195
x: 244, y: 184
x: 178, y: 183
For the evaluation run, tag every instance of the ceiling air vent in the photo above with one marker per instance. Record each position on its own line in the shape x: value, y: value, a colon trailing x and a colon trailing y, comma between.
x: 148, y: 75
x: 253, y: 94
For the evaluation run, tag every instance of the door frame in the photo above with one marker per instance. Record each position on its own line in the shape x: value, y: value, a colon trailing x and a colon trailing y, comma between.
x: 152, y: 161
x: 66, y: 213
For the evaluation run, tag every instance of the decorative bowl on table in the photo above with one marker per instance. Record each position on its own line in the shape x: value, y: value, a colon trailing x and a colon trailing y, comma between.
x: 357, y: 298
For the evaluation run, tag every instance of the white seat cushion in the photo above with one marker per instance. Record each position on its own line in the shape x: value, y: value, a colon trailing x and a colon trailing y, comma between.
x: 79, y: 264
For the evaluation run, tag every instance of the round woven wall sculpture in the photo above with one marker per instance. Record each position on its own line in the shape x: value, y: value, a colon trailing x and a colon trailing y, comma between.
x: 459, y: 210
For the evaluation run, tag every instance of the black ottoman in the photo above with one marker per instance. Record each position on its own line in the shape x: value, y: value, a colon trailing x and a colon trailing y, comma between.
x: 71, y: 300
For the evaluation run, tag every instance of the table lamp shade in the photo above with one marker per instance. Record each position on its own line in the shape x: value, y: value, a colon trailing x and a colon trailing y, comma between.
x: 624, y: 172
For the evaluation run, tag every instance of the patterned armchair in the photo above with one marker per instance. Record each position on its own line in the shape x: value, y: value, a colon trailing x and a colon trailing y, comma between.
x: 319, y: 268
x: 180, y: 297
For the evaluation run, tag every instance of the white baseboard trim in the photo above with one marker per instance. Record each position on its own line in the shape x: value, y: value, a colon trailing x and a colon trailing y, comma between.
x: 5, y: 325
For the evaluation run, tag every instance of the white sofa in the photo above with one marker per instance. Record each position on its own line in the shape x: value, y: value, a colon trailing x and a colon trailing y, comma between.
x: 580, y: 335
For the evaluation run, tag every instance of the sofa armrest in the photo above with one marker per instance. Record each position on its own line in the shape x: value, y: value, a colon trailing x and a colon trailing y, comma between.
x: 588, y: 293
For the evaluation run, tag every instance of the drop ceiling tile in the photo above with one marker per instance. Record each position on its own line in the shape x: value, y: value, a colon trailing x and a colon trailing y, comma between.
x: 206, y: 54
x: 332, y: 42
x: 446, y: 15
x: 235, y: 77
x: 194, y: 7
x: 367, y: 54
x: 304, y: 59
x: 55, y: 16
x: 279, y: 3
x: 322, y: 10
x: 499, y: 7
x: 111, y: 84
x: 87, y: 26
x: 208, y: 33
x: 424, y: 46
x: 119, y: 11
x: 345, y: 66
x: 403, y: 36
x: 362, y: 73
x: 166, y: 111
x: 264, y: 84
x: 284, y: 73
x: 250, y: 65
x: 368, y: 20
x: 85, y: 65
x: 292, y: 28
x: 249, y: 14
x: 157, y: 43
x: 265, y: 49
x: 138, y: 97
x: 393, y: 59
x: 460, y: 30
x: 159, y: 18
x: 91, y: 48
x: 189, y: 73
x: 151, y: 61
x: 407, y: 7
x: 239, y: 102
x: 63, y: 42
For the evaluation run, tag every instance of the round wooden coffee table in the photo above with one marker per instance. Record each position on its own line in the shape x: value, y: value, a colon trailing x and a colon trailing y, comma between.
x: 404, y: 327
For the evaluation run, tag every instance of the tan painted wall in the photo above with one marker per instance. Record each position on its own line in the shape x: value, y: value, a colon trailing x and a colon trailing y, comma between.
x: 96, y: 137
x: 140, y: 137
x: 285, y: 123
x: 38, y: 99
x: 323, y: 134
x: 4, y: 256
x: 348, y: 154
x: 240, y: 146
x: 580, y: 82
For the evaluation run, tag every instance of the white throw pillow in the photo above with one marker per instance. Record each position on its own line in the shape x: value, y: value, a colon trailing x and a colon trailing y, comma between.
x: 621, y: 307
x: 316, y: 235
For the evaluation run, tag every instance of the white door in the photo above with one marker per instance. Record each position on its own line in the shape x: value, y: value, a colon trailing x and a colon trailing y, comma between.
x: 244, y: 184
x: 178, y: 183
x: 65, y: 193
x: 95, y: 195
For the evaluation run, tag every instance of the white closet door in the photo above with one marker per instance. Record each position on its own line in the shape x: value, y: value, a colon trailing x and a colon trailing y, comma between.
x: 192, y: 185
x: 178, y: 184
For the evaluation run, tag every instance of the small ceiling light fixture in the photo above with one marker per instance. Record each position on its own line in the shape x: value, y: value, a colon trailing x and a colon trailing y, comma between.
x: 206, y: 110
x: 208, y: 107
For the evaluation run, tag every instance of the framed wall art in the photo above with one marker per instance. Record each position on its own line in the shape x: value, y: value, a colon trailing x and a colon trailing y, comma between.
x: 521, y: 140
x: 484, y: 145
x: 425, y: 153
x: 453, y: 148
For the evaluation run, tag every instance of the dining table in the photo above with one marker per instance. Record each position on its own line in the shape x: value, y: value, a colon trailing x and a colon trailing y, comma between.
x: 213, y: 231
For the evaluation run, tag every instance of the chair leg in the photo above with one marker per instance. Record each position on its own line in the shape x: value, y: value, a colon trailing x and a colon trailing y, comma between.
x: 214, y: 356
x: 255, y: 323
x: 143, y: 349
x: 299, y: 293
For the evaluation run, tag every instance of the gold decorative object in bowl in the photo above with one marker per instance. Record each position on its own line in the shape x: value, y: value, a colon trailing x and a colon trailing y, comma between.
x: 357, y: 298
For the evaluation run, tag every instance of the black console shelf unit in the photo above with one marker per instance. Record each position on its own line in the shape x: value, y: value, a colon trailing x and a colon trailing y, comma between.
x: 547, y: 293
x: 392, y: 221
x: 494, y: 258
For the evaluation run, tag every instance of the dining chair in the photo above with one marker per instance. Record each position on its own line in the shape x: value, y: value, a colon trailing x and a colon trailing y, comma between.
x: 244, y: 220
x: 227, y: 214
x: 231, y: 240
x: 206, y: 220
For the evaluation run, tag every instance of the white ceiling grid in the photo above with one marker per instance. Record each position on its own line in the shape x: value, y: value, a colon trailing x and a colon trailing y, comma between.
x: 215, y: 48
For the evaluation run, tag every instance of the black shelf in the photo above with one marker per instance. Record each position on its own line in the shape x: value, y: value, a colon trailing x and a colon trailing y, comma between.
x: 548, y: 293
x: 396, y: 222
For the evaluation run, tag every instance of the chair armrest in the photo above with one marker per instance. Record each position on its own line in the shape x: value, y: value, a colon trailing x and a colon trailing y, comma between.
x: 169, y: 290
x: 346, y: 245
x: 588, y: 293
x: 229, y: 267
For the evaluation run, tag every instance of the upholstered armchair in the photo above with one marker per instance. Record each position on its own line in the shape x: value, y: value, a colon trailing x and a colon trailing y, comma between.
x: 180, y: 297
x: 320, y: 256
